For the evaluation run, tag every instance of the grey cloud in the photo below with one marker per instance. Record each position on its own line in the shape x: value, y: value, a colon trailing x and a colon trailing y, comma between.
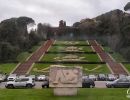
x: 51, y: 11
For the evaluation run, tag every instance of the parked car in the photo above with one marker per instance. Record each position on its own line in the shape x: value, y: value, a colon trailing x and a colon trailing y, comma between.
x: 84, y: 77
x: 32, y: 76
x: 87, y: 83
x: 3, y: 77
x: 11, y: 77
x: 21, y: 76
x: 101, y: 77
x: 119, y: 83
x: 92, y: 77
x: 128, y: 77
x: 122, y: 76
x: 45, y: 84
x: 20, y: 82
x: 41, y: 78
x: 111, y: 77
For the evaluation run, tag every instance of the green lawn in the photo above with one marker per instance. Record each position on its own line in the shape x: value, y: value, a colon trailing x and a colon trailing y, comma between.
x: 63, y: 48
x: 92, y: 58
x: 7, y: 68
x: 87, y: 57
x: 47, y: 94
x: 92, y: 68
x: 95, y: 68
x: 40, y: 67
x: 118, y: 57
x: 87, y: 68
x: 107, y: 49
x: 71, y: 43
x: 127, y: 66
x: 23, y: 56
x: 34, y: 48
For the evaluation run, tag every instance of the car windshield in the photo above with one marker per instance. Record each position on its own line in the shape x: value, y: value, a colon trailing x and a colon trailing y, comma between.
x: 111, y: 75
x: 41, y: 75
x: 102, y: 75
x: 92, y: 76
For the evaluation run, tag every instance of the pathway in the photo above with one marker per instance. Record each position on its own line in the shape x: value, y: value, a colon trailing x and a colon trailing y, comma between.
x: 116, y: 68
x: 23, y: 68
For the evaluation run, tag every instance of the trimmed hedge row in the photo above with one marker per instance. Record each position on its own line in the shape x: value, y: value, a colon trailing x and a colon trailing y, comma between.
x: 69, y: 62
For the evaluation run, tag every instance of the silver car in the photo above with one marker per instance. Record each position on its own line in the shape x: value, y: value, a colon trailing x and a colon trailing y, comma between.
x: 2, y: 77
x: 20, y: 82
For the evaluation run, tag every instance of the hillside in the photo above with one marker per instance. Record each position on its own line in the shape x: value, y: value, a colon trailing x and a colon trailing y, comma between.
x: 112, y: 28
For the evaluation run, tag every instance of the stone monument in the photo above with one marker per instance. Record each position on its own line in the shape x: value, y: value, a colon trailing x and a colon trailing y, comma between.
x: 65, y: 80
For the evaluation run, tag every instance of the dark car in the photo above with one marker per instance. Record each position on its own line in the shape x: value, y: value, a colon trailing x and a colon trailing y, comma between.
x: 101, y: 77
x: 87, y: 83
x: 119, y: 83
x: 45, y: 84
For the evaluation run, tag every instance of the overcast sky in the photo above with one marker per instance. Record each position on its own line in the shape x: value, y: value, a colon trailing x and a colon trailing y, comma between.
x: 51, y: 11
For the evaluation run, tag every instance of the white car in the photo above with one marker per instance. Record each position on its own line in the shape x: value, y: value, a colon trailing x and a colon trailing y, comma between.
x: 122, y: 76
x: 2, y: 77
x: 128, y: 77
x: 21, y: 76
x: 111, y: 77
x: 20, y: 82
x: 84, y: 77
x: 92, y: 77
x: 41, y: 78
x: 11, y: 77
x: 32, y: 76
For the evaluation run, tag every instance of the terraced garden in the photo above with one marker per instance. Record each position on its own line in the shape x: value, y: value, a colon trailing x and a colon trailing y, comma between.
x: 69, y: 54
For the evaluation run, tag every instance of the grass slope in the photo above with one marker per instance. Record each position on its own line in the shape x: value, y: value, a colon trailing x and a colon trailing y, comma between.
x: 103, y: 69
x: 118, y: 57
x: 127, y: 66
x: 107, y: 49
x: 23, y: 56
x: 7, y: 67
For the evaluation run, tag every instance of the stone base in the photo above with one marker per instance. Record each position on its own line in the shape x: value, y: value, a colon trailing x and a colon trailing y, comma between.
x: 65, y: 91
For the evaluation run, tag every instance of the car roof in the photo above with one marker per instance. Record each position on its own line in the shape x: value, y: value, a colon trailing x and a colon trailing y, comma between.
x: 42, y: 75
x: 12, y: 75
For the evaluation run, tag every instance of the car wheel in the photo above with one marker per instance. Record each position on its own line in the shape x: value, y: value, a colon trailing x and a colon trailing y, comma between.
x: 46, y: 86
x: 88, y: 86
x: 10, y: 86
x: 29, y: 86
x: 92, y: 86
x: 108, y: 86
x: 112, y: 86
